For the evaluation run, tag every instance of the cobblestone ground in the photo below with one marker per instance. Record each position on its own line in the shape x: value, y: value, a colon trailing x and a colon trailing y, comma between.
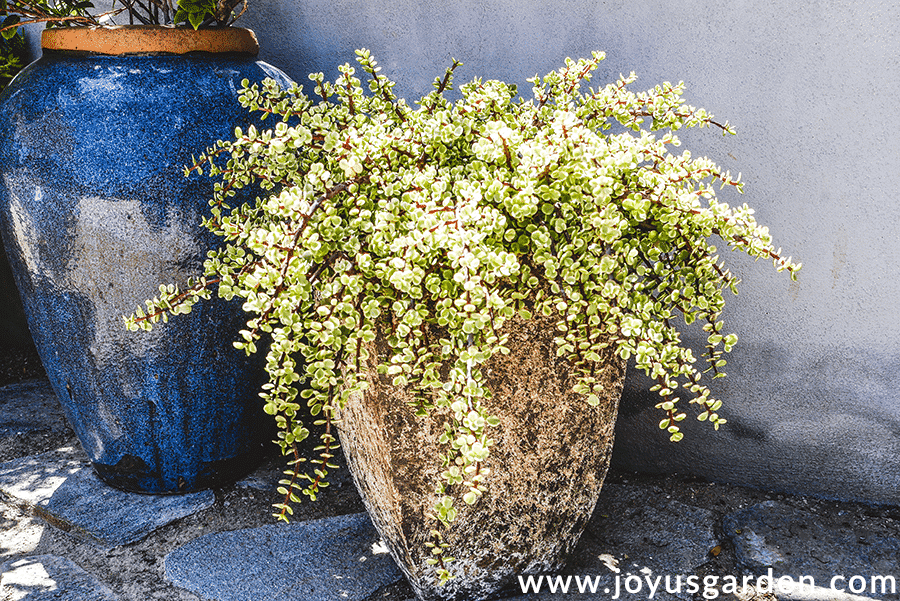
x: 645, y: 528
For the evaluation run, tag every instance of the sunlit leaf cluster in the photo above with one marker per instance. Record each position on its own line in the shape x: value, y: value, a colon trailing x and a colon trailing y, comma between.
x: 431, y: 225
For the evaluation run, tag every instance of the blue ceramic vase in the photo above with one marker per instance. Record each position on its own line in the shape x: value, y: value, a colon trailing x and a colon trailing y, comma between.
x: 96, y: 213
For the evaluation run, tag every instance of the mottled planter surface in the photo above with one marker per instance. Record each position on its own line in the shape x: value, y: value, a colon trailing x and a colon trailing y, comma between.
x: 96, y: 213
x: 547, y: 467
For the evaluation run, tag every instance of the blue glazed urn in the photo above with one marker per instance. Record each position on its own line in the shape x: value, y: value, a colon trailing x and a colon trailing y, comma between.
x: 96, y: 213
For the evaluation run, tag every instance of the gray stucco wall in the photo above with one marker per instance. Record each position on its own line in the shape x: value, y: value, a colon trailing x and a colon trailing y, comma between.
x: 811, y: 87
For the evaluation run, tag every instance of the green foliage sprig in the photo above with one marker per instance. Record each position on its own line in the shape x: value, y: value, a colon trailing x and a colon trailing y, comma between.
x: 66, y: 13
x: 380, y: 219
x: 15, y: 13
x: 12, y: 53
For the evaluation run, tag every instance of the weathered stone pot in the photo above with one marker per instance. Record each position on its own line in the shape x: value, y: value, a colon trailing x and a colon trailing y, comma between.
x: 551, y: 455
x: 96, y: 212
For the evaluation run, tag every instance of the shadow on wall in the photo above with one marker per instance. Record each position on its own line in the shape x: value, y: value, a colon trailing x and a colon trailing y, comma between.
x: 760, y: 444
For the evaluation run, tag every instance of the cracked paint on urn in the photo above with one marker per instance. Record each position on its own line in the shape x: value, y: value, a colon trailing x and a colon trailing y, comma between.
x: 96, y: 213
x: 547, y: 467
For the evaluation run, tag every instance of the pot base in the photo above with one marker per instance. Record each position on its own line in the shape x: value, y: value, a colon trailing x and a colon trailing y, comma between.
x: 131, y: 475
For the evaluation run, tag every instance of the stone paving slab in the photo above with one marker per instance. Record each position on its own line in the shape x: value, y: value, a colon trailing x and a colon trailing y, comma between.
x: 50, y: 578
x: 793, y: 542
x: 338, y: 558
x: 62, y: 488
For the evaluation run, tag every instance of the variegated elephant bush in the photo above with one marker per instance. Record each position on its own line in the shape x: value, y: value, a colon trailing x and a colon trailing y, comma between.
x: 377, y: 217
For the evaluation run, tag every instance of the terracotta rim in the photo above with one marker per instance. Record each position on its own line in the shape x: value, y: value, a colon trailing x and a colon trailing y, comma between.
x: 149, y: 39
